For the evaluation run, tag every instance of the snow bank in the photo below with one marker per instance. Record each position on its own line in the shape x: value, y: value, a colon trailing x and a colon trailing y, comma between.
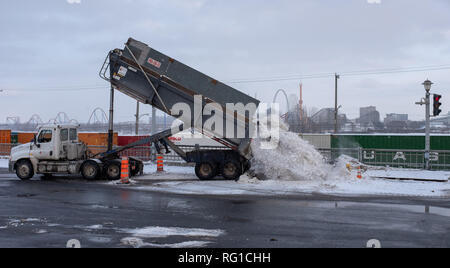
x: 292, y: 159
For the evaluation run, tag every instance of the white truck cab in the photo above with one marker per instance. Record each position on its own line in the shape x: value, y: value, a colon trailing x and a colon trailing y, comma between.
x: 55, y: 149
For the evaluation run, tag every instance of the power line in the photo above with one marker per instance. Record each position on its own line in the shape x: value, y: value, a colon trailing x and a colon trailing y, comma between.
x: 60, y: 89
x: 350, y: 73
x: 267, y: 79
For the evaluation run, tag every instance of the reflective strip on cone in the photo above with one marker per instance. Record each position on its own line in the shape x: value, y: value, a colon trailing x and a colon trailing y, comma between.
x: 160, y: 163
x: 125, y: 171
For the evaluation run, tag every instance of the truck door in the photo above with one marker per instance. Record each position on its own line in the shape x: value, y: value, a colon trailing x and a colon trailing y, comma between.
x: 43, y: 148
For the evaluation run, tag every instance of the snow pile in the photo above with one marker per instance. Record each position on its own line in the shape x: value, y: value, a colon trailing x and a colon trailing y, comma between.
x: 248, y: 179
x: 292, y: 159
x: 345, y: 168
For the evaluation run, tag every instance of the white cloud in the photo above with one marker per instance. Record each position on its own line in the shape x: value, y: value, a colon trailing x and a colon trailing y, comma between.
x: 74, y: 1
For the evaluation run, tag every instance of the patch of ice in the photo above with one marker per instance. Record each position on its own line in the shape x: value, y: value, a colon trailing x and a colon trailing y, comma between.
x: 94, y: 227
x: 139, y: 243
x: 160, y: 232
x: 119, y: 182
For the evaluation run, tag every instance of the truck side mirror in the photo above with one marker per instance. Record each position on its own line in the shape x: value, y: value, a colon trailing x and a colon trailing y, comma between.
x: 35, y: 142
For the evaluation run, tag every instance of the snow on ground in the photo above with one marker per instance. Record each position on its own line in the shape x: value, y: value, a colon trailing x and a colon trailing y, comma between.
x: 4, y: 162
x: 150, y: 168
x: 340, y: 181
x: 410, y: 174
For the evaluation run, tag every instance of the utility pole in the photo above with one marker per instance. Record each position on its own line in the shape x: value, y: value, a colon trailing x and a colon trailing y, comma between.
x: 336, y: 77
x: 111, y: 120
x: 426, y: 101
x: 154, y: 130
x: 137, y: 118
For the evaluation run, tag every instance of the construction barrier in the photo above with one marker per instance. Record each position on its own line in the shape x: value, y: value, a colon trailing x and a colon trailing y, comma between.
x: 160, y: 163
x: 125, y: 171
x: 359, y: 176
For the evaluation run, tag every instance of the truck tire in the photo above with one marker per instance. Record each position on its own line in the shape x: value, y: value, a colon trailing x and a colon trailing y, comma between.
x: 90, y: 170
x: 138, y: 168
x: 112, y: 170
x: 24, y: 170
x: 231, y: 170
x: 205, y: 171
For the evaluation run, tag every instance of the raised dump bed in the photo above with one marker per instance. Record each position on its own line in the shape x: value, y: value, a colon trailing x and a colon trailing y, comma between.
x: 154, y: 78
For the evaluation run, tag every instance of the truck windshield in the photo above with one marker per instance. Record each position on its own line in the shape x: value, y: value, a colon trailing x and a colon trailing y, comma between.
x: 64, y: 134
x: 73, y: 134
x: 45, y: 136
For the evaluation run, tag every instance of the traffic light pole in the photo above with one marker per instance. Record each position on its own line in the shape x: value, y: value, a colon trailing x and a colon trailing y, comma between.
x: 427, y: 84
x: 427, y: 131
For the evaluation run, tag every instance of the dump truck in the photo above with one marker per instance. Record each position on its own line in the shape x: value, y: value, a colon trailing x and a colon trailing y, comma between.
x: 156, y: 79
x: 198, y: 101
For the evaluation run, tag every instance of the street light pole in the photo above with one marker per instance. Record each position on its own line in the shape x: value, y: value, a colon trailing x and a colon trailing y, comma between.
x: 427, y: 85
x: 336, y: 77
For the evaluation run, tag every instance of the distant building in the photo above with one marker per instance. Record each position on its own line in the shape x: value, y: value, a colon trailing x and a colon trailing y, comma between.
x: 395, y: 118
x: 324, y: 120
x: 369, y: 115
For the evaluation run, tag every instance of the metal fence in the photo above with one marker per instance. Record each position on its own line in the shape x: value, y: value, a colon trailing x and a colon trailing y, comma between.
x: 439, y: 160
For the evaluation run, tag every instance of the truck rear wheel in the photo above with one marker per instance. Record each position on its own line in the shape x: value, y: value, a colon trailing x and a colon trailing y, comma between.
x: 112, y: 170
x: 90, y: 170
x: 24, y: 170
x: 231, y: 170
x: 205, y: 171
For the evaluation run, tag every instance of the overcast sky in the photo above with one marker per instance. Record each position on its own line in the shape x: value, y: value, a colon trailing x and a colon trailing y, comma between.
x: 51, y: 50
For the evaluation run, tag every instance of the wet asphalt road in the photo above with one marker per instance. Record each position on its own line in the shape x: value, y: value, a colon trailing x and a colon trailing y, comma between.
x: 49, y: 213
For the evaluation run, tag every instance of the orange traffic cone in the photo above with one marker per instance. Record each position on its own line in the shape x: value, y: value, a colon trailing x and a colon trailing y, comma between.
x: 359, y: 176
x: 125, y: 171
x: 160, y: 163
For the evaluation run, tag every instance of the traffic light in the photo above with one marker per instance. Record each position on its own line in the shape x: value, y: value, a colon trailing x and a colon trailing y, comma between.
x: 437, y: 105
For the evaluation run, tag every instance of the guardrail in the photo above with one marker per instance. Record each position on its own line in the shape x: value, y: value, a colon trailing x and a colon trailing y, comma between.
x: 439, y: 160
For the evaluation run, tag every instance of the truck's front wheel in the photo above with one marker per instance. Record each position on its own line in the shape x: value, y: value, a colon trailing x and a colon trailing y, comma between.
x: 90, y: 170
x: 24, y: 170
